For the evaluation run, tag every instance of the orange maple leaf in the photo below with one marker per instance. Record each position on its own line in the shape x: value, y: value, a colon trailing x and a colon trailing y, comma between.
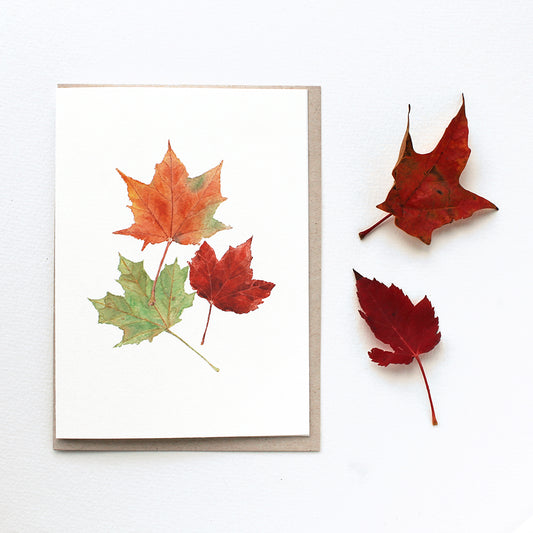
x: 426, y: 192
x: 174, y: 207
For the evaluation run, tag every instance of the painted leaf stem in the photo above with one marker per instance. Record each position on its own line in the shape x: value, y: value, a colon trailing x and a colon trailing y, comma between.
x: 207, y: 323
x: 151, y: 301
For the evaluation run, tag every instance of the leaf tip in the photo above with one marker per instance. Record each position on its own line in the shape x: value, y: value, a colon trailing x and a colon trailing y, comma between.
x: 121, y: 261
x: 462, y: 108
x: 356, y: 274
x: 425, y: 238
x: 122, y: 175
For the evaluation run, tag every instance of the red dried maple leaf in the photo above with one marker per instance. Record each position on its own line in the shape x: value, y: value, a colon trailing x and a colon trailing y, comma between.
x: 410, y: 330
x: 227, y: 284
x: 174, y: 207
x: 426, y: 192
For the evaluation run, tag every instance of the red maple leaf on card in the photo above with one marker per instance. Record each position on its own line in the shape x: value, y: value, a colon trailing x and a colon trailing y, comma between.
x: 227, y: 283
x: 409, y: 329
x: 426, y: 192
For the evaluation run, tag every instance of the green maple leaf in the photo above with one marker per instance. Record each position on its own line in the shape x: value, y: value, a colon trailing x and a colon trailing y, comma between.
x: 132, y: 313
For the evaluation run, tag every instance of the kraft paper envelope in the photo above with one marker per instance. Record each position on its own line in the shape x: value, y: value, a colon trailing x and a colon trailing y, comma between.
x: 285, y: 442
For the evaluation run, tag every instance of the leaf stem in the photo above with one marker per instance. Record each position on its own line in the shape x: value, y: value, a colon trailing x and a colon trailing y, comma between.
x: 363, y: 234
x: 207, y: 324
x: 434, y: 418
x: 151, y: 301
x: 196, y: 352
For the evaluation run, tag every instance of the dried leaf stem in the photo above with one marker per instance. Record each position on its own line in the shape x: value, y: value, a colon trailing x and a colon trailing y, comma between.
x: 433, y: 417
x: 363, y: 234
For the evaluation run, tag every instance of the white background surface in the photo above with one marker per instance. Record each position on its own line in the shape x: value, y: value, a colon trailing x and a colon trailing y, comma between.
x: 383, y: 467
x: 262, y: 137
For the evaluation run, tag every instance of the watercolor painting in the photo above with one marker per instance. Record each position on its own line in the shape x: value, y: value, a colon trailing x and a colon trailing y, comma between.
x: 181, y: 298
x: 176, y: 208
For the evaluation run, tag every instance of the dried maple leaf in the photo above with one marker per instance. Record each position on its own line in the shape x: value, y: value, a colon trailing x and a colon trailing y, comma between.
x: 174, y: 207
x: 227, y: 284
x: 410, y: 330
x: 426, y: 192
x: 131, y: 312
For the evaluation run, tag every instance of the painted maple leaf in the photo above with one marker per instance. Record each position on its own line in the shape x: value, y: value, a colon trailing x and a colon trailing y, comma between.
x: 426, y: 192
x: 174, y: 207
x: 227, y: 283
x: 131, y: 312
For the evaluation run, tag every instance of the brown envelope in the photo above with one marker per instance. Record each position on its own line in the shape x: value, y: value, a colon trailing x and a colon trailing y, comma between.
x: 285, y: 443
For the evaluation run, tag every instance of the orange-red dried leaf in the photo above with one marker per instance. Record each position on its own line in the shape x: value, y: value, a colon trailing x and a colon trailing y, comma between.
x: 174, y: 207
x: 426, y: 192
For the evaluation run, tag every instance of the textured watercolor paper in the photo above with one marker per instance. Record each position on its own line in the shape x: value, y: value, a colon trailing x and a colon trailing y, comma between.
x: 161, y: 388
